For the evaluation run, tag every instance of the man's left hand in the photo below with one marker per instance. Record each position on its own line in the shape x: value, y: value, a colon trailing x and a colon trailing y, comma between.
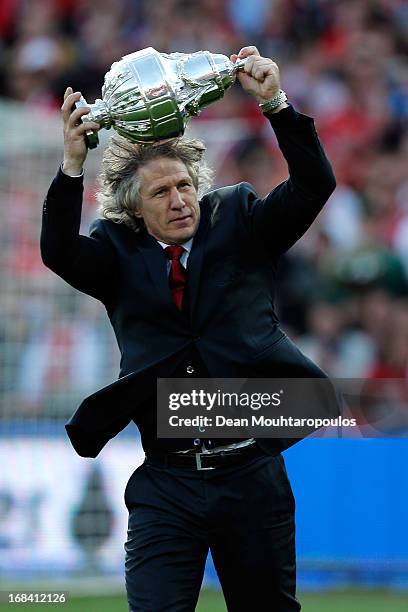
x: 261, y: 77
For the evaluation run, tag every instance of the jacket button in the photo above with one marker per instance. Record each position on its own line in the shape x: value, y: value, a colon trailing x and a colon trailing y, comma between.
x: 190, y: 369
x: 196, y: 442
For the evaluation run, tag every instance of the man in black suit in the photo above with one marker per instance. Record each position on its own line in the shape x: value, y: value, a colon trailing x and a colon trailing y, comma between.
x: 188, y: 285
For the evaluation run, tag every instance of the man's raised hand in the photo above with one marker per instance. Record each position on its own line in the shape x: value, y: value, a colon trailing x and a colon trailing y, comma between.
x: 75, y: 149
x: 261, y: 77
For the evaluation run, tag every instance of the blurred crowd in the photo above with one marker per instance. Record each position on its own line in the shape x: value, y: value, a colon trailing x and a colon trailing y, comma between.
x: 344, y: 287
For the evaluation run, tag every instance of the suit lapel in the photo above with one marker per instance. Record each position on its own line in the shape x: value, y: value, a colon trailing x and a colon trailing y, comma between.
x: 195, y: 260
x: 155, y: 260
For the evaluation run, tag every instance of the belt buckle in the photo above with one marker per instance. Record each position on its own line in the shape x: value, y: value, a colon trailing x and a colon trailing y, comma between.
x: 198, y: 463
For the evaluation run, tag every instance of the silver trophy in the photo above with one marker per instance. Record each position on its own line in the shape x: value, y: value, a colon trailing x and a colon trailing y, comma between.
x: 149, y: 96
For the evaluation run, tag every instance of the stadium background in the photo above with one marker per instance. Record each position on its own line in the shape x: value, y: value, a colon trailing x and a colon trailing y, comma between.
x: 343, y: 289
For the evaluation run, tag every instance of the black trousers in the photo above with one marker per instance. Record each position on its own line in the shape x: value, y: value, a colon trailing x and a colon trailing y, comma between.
x: 244, y: 514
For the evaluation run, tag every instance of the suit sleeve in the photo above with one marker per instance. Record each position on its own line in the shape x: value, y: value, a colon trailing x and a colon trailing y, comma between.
x: 284, y: 215
x: 87, y: 263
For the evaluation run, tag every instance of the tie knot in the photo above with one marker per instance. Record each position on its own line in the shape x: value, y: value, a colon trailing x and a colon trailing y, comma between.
x: 174, y: 252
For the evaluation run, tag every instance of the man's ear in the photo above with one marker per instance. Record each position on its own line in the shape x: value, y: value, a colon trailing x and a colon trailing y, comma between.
x: 138, y: 214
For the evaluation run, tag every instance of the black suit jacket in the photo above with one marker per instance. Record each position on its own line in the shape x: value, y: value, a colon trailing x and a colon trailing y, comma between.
x: 231, y: 270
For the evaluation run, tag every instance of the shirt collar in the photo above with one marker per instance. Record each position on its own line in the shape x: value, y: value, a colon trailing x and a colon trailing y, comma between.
x: 186, y: 245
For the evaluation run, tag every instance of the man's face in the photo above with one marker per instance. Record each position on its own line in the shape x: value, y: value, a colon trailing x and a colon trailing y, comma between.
x: 169, y: 203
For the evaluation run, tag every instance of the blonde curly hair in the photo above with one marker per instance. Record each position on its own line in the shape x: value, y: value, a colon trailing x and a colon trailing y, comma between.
x: 118, y: 195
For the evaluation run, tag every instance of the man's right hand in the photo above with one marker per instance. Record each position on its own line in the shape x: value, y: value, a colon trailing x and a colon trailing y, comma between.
x: 75, y: 149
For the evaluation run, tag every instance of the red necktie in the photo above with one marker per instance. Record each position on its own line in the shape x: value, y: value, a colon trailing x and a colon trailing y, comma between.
x: 177, y: 275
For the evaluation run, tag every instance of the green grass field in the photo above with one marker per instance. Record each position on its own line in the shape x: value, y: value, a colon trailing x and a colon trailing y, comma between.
x: 212, y: 601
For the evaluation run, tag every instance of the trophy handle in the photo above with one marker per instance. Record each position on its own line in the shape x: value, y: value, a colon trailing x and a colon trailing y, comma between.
x: 240, y: 65
x: 91, y: 137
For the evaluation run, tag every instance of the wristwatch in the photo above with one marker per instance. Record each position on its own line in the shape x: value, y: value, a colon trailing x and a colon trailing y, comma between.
x: 272, y: 104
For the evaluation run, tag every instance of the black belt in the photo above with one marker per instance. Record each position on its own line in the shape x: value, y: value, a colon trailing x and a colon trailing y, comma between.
x: 205, y: 461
